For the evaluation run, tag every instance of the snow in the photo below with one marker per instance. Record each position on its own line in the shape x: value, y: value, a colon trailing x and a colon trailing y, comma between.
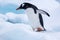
x: 10, y: 30
x: 15, y: 26
x: 17, y: 18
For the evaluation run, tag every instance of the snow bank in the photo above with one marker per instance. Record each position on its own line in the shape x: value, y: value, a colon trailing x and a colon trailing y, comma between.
x: 10, y: 20
x: 17, y: 18
x: 13, y: 27
x: 3, y: 17
x: 22, y: 31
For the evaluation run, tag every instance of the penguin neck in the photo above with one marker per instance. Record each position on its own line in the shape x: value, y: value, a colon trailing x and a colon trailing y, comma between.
x: 34, y: 8
x: 30, y: 11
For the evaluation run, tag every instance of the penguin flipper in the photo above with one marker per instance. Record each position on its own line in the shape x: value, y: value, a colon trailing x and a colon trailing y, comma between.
x: 43, y: 12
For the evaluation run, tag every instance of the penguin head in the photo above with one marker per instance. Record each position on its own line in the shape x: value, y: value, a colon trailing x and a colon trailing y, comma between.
x: 24, y: 6
x: 27, y: 5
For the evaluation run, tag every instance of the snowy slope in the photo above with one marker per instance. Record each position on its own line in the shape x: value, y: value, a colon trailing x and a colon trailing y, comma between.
x: 22, y: 31
x: 15, y: 26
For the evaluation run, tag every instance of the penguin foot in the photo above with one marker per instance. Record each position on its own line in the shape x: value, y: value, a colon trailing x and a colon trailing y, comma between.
x: 39, y: 29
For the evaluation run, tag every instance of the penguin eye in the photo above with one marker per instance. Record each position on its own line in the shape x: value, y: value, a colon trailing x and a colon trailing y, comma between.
x: 22, y: 5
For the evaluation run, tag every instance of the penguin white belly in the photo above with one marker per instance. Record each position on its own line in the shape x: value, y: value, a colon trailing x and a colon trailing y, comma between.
x: 33, y: 18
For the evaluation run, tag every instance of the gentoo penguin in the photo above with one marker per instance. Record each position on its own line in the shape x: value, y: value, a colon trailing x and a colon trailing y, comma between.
x: 34, y: 15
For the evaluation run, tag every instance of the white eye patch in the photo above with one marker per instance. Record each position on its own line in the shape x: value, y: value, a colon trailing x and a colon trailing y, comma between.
x: 23, y: 5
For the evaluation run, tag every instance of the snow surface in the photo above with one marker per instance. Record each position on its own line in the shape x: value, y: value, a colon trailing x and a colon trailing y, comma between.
x: 13, y: 27
x: 10, y: 30
x: 17, y: 18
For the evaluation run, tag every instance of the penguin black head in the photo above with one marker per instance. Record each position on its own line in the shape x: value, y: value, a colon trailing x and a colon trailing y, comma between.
x: 27, y: 5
